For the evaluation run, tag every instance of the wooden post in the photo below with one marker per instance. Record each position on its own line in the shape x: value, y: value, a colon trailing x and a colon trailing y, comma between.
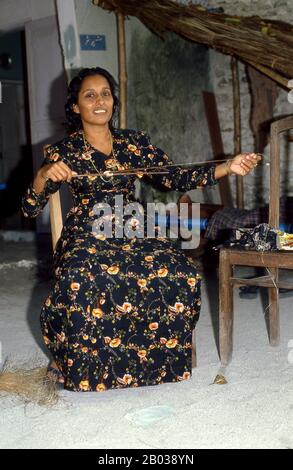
x: 122, y: 70
x: 237, y: 128
x: 225, y: 307
x: 274, y: 320
x: 274, y: 205
x: 211, y: 111
x: 274, y: 219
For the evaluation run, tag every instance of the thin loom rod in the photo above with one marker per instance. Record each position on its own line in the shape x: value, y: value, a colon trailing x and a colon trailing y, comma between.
x: 141, y: 170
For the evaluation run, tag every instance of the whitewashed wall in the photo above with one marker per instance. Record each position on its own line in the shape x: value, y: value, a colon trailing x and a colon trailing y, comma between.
x: 94, y: 20
x: 14, y: 13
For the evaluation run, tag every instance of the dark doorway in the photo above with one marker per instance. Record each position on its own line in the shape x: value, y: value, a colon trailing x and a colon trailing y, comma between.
x: 16, y: 165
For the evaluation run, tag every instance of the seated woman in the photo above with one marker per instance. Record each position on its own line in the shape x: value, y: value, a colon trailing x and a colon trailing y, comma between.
x: 122, y: 310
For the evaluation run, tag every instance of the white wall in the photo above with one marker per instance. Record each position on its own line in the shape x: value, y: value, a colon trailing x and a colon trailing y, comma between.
x: 93, y: 20
x: 15, y: 13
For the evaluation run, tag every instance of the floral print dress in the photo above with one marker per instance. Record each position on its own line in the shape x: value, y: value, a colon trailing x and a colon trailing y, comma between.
x: 122, y: 310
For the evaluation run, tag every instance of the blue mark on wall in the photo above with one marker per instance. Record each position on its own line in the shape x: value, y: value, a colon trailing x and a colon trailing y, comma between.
x: 92, y: 42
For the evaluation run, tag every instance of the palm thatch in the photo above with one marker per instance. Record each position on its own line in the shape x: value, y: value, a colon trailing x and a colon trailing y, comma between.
x: 265, y: 44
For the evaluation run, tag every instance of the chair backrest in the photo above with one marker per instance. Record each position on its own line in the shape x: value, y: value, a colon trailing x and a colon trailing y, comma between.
x: 56, y: 218
x: 277, y: 128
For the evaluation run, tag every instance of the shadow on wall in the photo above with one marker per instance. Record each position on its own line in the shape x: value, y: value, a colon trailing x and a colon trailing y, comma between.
x: 166, y: 81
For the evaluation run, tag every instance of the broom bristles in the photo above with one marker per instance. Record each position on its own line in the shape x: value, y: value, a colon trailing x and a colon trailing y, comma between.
x: 30, y: 385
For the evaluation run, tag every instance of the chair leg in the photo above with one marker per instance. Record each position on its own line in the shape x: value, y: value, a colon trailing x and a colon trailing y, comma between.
x: 226, y: 308
x: 274, y: 320
x: 193, y: 350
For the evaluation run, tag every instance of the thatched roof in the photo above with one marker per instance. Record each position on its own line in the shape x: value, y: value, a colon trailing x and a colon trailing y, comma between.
x: 265, y: 44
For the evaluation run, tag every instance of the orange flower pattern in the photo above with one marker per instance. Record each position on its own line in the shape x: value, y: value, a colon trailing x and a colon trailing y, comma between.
x: 122, y: 310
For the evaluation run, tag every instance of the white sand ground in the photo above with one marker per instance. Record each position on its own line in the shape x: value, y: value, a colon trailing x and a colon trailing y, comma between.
x: 254, y: 410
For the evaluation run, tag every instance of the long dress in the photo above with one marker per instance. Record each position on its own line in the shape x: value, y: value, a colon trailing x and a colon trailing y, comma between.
x: 122, y: 310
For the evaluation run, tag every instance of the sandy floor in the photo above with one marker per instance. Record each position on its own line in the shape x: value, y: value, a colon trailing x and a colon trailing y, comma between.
x: 254, y: 410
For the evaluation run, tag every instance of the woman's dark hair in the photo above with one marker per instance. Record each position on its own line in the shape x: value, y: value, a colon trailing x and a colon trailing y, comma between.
x: 73, y: 119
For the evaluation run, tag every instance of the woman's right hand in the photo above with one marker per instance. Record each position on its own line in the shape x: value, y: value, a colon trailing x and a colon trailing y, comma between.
x: 57, y: 171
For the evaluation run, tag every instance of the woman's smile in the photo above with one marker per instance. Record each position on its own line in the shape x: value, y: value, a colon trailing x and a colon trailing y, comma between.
x: 100, y: 112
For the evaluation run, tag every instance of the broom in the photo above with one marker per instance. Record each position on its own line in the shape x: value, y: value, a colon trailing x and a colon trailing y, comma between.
x: 30, y: 385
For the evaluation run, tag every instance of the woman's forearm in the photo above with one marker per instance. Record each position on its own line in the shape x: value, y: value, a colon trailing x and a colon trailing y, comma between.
x: 39, y: 183
x: 221, y: 170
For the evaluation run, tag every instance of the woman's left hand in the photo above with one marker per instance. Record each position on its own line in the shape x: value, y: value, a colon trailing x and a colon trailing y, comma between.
x: 243, y: 163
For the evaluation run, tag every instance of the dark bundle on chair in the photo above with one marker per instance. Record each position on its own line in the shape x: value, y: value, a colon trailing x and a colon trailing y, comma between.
x: 263, y: 237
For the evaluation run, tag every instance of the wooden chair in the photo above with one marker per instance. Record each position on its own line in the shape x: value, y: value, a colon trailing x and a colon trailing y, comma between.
x: 272, y: 261
x: 56, y: 218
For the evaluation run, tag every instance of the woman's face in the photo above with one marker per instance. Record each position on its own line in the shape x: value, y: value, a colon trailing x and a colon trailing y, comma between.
x: 95, y: 101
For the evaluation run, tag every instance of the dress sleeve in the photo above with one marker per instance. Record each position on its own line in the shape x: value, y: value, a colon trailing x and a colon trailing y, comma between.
x: 33, y: 203
x: 178, y: 178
